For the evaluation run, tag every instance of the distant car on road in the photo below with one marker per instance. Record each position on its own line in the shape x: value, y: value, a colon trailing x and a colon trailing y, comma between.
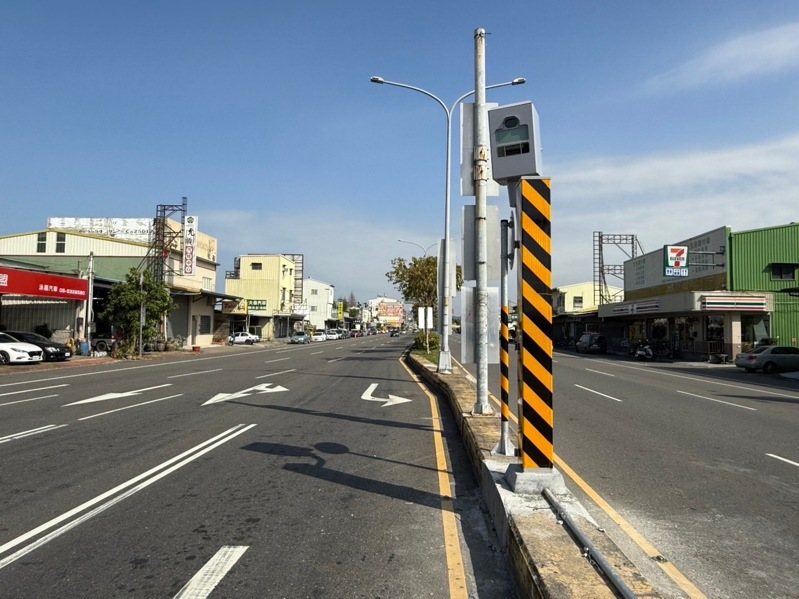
x: 592, y: 343
x: 394, y: 333
x: 319, y: 335
x: 300, y: 337
x: 243, y: 338
x: 14, y: 351
x: 332, y: 335
x: 52, y: 351
x: 769, y: 358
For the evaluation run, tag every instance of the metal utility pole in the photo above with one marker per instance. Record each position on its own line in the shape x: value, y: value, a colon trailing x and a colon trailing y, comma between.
x: 481, y: 155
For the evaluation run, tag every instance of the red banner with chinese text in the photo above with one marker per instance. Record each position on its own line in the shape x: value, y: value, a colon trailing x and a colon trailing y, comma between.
x: 39, y: 284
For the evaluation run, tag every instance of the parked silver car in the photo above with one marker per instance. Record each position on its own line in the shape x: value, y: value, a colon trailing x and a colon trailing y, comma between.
x: 300, y: 337
x: 769, y: 358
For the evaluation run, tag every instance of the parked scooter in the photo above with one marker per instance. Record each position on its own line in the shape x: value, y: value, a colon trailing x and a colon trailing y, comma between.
x: 644, y: 351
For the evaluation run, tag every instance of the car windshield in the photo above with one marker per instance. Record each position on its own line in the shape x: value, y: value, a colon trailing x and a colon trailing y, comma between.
x: 23, y: 336
x: 4, y: 338
x: 761, y: 349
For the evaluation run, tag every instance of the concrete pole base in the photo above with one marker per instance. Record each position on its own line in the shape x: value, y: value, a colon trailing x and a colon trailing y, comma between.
x: 444, y: 362
x: 504, y: 447
x: 535, y: 480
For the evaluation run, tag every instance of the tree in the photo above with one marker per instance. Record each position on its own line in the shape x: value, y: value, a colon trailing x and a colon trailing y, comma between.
x: 124, y: 306
x: 417, y: 282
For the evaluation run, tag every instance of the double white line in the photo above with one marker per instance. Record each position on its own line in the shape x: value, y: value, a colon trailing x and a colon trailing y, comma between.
x: 111, y: 497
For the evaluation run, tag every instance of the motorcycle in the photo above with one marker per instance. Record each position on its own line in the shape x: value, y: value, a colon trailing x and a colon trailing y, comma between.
x: 644, y: 352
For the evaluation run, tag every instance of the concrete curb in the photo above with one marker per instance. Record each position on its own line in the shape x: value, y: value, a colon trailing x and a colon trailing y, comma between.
x: 543, y: 558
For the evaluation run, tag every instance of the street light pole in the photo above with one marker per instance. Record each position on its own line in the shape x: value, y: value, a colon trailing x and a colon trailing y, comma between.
x: 444, y: 356
x: 420, y: 246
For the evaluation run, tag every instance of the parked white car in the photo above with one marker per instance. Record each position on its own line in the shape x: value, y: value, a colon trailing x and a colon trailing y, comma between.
x: 243, y: 337
x: 319, y: 335
x: 18, y: 352
x: 331, y: 335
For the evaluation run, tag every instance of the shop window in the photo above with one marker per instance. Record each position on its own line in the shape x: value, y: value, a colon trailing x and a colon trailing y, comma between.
x: 41, y: 243
x: 783, y: 272
x: 60, y: 243
x: 205, y: 325
x: 754, y: 328
x: 715, y: 328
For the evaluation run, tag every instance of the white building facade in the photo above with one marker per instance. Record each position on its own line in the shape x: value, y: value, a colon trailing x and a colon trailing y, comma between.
x: 320, y: 298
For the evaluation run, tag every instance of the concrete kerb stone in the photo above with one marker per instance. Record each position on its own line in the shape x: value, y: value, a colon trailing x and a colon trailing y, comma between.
x: 544, y: 559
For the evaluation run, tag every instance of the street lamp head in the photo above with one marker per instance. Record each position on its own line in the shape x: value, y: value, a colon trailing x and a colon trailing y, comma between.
x: 517, y: 81
x: 376, y: 79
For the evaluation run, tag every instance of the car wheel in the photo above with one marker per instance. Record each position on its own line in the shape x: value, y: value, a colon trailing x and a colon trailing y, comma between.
x: 4, y: 358
x: 770, y: 368
x: 101, y: 346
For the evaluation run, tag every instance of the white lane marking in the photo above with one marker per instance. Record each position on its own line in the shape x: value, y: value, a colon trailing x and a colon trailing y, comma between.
x: 193, y: 454
x: 177, y: 376
x: 653, y: 370
x: 597, y: 392
x: 263, y: 376
x: 599, y: 372
x: 787, y: 461
x: 321, y: 351
x: 717, y: 400
x: 33, y: 431
x: 11, y: 403
x: 206, y: 579
x: 115, y: 370
x: 33, y: 390
x: 335, y: 359
x: 144, y: 403
x: 276, y: 360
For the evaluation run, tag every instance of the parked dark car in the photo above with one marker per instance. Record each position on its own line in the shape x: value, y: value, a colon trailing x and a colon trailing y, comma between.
x: 592, y: 343
x: 51, y: 351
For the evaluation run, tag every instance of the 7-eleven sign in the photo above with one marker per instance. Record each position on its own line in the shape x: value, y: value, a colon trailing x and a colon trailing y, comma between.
x: 675, y: 261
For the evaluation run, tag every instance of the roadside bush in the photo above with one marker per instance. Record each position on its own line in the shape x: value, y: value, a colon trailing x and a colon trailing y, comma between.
x: 433, y: 338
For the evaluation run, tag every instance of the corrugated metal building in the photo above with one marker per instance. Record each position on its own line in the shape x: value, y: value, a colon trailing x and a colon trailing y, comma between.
x: 766, y: 260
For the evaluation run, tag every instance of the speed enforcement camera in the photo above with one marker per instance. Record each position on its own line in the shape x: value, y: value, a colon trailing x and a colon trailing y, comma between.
x: 515, y: 142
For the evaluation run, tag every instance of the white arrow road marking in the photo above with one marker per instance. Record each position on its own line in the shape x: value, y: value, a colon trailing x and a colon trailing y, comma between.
x: 262, y: 388
x: 206, y: 579
x: 108, y: 396
x: 391, y: 401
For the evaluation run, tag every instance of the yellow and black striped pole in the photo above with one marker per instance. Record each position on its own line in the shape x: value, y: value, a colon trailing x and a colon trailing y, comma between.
x: 505, y: 446
x: 534, y: 329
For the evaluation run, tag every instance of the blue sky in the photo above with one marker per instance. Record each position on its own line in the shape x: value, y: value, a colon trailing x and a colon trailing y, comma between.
x: 660, y: 119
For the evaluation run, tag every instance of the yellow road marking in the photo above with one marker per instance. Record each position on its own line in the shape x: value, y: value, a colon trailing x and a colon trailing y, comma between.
x: 452, y: 545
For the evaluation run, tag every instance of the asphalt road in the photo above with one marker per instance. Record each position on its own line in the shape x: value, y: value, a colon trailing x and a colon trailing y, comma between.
x: 702, y: 461
x: 253, y: 472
